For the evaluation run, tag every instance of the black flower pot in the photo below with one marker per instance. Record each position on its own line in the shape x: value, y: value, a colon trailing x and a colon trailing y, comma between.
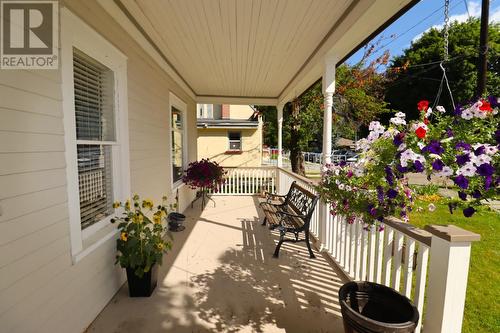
x: 142, y: 286
x: 369, y: 307
x: 175, y: 221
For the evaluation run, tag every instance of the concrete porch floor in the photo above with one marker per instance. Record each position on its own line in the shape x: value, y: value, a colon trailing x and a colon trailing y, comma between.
x: 221, y: 277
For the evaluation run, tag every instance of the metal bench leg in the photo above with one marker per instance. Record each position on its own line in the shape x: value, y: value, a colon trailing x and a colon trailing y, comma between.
x: 311, y: 254
x: 282, y: 239
x: 264, y: 221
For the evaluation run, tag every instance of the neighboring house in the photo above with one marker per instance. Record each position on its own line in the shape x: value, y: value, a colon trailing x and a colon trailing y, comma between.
x: 229, y: 134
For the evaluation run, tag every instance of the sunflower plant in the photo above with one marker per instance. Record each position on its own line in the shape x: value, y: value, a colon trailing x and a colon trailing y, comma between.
x: 141, y: 244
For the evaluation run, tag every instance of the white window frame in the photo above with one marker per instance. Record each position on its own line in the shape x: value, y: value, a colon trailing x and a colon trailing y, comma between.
x: 180, y: 105
x: 76, y: 33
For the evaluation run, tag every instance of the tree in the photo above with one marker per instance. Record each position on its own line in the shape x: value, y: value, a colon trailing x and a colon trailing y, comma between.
x: 416, y: 73
x: 357, y: 101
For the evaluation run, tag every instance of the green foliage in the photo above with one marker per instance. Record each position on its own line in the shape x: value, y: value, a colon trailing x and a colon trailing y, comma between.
x: 429, y: 189
x: 141, y: 243
x: 412, y: 82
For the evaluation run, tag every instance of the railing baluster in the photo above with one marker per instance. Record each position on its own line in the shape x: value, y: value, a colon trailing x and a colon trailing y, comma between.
x: 333, y: 249
x: 410, y: 249
x: 371, y: 257
x: 389, y: 239
x: 342, y: 240
x: 379, y: 252
x: 364, y: 252
x: 398, y: 250
x: 352, y: 249
x: 357, y: 263
x: 422, y: 262
x: 347, y: 245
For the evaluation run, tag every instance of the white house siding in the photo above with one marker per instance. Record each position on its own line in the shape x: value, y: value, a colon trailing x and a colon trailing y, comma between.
x: 40, y: 289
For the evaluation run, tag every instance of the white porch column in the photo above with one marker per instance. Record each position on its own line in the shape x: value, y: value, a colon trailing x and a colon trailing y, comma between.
x: 328, y: 90
x: 447, y: 282
x: 279, y: 107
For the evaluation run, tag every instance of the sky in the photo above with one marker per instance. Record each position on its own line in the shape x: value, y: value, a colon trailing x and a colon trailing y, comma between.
x: 422, y: 17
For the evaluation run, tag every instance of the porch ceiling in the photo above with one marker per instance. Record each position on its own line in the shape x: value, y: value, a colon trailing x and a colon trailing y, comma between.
x: 253, y: 51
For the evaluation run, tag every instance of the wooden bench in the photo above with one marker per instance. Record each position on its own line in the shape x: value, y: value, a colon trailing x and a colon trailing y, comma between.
x: 290, y: 213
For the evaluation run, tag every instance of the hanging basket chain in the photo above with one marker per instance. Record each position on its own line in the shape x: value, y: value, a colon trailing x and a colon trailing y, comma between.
x: 446, y: 29
x: 446, y: 35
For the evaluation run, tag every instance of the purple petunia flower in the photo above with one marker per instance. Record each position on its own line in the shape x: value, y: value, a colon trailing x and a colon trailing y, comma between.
x: 398, y: 139
x: 449, y: 132
x: 418, y: 166
x: 462, y: 159
x: 485, y: 170
x: 434, y: 147
x: 458, y: 110
x: 372, y: 211
x: 462, y: 195
x: 342, y: 163
x: 380, y: 194
x: 389, y: 176
x: 462, y: 182
x: 438, y: 165
x: 480, y: 150
x: 401, y: 169
x: 469, y: 211
x: 476, y: 194
x: 463, y: 145
x: 392, y: 193
x: 487, y: 182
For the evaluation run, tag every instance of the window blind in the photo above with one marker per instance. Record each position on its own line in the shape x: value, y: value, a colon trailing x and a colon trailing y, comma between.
x: 94, y: 99
x: 94, y: 115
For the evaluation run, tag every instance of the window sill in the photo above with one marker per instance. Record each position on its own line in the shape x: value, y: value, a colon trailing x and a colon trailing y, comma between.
x: 233, y: 152
x: 94, y: 241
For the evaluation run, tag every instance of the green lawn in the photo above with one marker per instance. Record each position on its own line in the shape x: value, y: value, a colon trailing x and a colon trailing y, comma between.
x: 482, y: 305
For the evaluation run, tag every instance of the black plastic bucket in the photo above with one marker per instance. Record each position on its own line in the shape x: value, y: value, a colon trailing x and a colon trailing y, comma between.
x: 374, y: 308
x: 175, y: 221
x: 176, y: 217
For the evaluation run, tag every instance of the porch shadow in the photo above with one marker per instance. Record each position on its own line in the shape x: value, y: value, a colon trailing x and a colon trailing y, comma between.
x: 224, y: 279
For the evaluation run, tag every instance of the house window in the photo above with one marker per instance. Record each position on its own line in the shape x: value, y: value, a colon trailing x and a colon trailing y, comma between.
x: 95, y: 135
x: 177, y: 128
x: 235, y: 141
x: 94, y: 86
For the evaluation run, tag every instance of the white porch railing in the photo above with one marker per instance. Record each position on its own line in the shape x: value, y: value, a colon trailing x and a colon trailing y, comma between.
x: 247, y: 181
x: 398, y: 257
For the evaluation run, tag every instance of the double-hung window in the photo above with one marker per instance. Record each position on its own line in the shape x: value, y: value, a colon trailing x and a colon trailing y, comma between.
x: 96, y: 132
x: 95, y: 136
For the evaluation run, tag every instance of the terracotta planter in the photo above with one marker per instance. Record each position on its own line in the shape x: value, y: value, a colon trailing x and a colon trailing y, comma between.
x: 142, y: 286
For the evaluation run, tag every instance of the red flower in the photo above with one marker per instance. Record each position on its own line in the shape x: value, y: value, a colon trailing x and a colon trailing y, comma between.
x: 426, y: 121
x: 423, y: 105
x: 485, y: 107
x: 420, y: 132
